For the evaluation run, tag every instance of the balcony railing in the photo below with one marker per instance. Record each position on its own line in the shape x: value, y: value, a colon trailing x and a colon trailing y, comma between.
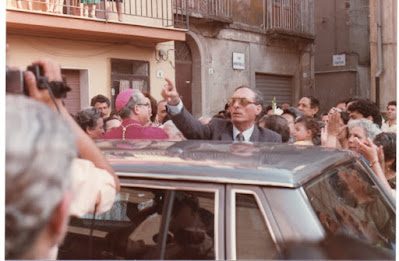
x: 219, y: 10
x: 290, y: 16
x: 142, y: 12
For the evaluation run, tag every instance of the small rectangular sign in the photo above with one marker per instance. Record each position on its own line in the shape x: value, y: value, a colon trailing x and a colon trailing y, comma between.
x: 239, y: 61
x: 339, y: 60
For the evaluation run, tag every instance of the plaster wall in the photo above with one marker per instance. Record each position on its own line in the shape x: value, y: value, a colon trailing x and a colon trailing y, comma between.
x: 221, y: 79
x: 342, y: 27
x: 91, y: 57
x: 388, y: 89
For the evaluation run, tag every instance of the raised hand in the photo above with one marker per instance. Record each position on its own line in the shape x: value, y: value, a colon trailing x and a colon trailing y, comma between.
x: 169, y: 93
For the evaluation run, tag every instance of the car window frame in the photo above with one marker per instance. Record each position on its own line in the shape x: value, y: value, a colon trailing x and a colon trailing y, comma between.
x: 261, y: 200
x: 357, y: 165
x: 219, y: 208
x: 390, y: 199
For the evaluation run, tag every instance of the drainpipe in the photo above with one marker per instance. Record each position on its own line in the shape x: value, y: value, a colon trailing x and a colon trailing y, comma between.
x: 379, y: 53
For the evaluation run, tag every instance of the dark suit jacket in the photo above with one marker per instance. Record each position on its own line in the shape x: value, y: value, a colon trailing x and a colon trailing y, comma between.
x: 217, y: 129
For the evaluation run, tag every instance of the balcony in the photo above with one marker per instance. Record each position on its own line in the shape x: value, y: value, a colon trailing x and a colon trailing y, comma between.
x: 206, y: 10
x: 289, y: 18
x: 127, y: 21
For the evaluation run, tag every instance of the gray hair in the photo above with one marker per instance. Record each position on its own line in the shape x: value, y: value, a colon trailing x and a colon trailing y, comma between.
x: 39, y: 152
x: 136, y: 98
x: 258, y: 96
x: 370, y: 129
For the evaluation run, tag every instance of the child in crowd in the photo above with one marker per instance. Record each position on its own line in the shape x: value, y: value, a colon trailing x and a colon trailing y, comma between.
x: 306, y: 130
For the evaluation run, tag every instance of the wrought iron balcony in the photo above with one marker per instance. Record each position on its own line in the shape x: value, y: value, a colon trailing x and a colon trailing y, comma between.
x: 212, y: 10
x: 290, y: 17
x: 157, y: 13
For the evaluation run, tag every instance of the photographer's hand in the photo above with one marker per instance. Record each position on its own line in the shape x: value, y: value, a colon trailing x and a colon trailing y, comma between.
x: 87, y: 149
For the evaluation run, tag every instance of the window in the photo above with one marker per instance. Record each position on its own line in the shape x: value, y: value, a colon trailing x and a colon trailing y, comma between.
x: 132, y: 227
x: 346, y: 201
x: 129, y: 74
x: 253, y: 237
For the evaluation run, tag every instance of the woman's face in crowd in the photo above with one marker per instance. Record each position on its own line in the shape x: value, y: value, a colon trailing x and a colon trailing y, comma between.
x: 356, y: 132
x: 301, y: 133
x: 98, y: 131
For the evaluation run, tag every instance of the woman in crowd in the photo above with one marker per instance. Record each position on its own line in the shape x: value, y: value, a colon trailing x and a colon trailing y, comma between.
x: 91, y: 122
x: 361, y: 135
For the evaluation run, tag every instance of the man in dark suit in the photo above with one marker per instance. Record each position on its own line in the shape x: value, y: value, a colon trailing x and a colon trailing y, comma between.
x: 244, y: 106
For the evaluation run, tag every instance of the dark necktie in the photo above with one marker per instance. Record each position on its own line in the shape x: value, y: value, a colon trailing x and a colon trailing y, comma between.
x: 240, y: 137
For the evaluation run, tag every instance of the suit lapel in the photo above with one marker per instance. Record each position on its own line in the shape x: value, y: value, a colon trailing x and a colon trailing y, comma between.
x: 227, y: 134
x: 255, y: 134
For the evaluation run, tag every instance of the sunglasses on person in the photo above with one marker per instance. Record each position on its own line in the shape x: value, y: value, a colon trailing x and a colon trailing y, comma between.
x: 242, y: 101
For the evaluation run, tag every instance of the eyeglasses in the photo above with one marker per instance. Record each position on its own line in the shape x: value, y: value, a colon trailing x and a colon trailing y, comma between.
x: 143, y: 104
x: 243, y: 101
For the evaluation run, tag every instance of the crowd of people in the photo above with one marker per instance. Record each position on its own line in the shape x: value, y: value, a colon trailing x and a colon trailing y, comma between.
x: 39, y: 141
x: 355, y: 124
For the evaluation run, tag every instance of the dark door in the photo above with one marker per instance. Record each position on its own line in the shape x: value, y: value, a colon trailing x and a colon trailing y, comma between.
x: 184, y: 73
x: 72, y: 101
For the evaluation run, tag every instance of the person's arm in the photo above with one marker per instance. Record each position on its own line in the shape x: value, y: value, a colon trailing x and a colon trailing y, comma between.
x: 331, y: 131
x: 87, y: 149
x: 370, y: 151
x: 184, y: 121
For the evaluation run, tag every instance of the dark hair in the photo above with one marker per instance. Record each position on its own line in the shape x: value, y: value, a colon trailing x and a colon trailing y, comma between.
x: 154, y: 106
x: 278, y: 124
x: 183, y: 199
x: 291, y: 112
x: 310, y: 124
x: 345, y: 117
x: 342, y: 101
x: 388, y: 142
x: 101, y: 99
x: 87, y: 119
x: 366, y: 108
x: 314, y: 102
x: 392, y: 103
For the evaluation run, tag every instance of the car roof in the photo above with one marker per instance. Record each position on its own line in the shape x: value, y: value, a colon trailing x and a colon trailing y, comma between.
x: 272, y: 164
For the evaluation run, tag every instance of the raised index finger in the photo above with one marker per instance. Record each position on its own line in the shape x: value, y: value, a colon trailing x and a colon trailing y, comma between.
x: 170, y: 84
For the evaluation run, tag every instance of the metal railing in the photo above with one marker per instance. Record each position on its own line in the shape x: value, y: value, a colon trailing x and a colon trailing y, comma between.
x: 214, y: 9
x: 292, y: 16
x: 147, y: 12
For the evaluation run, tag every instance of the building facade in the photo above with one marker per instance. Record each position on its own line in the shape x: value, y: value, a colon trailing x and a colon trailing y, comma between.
x: 355, y: 51
x: 383, y: 52
x: 265, y: 44
x: 99, y: 51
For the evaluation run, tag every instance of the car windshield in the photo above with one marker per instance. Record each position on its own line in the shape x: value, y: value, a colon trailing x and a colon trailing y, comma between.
x: 347, y: 201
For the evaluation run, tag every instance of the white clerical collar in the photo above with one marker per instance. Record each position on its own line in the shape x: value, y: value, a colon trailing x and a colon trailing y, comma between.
x: 247, y: 133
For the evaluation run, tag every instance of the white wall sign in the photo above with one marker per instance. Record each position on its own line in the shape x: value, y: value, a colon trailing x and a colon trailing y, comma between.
x: 339, y: 60
x: 238, y: 61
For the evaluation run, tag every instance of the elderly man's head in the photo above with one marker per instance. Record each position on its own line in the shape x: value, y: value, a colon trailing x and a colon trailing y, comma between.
x: 245, y: 106
x: 39, y: 152
x: 133, y: 104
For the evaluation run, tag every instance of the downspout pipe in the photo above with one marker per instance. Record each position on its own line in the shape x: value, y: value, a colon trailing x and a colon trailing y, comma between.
x: 379, y: 40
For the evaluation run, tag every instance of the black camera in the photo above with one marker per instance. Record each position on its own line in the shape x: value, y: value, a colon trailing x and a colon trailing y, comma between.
x: 15, y: 82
